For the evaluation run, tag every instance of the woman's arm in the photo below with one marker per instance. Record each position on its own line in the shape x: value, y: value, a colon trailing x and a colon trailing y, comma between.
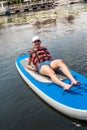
x: 29, y: 66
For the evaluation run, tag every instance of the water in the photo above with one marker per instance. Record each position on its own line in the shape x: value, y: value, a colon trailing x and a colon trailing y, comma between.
x: 20, y: 108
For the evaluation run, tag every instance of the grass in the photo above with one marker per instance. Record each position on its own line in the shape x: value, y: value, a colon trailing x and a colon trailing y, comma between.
x: 40, y: 16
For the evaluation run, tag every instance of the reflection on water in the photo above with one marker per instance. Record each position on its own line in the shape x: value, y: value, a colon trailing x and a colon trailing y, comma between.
x: 20, y: 108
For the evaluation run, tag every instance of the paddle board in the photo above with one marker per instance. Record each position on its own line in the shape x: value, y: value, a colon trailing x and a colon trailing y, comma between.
x: 72, y: 102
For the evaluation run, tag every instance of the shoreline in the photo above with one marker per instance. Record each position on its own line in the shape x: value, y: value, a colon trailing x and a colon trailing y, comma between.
x: 43, y: 17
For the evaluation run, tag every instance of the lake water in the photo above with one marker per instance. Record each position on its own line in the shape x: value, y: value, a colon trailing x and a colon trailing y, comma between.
x: 20, y: 107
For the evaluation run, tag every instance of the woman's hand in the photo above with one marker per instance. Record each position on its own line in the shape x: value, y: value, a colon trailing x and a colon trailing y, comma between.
x: 34, y: 68
x: 31, y: 67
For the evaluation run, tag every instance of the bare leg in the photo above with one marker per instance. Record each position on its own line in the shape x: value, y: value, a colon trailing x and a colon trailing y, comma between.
x: 64, y: 69
x: 46, y: 70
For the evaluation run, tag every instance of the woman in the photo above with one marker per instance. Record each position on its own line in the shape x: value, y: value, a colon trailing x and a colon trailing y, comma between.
x: 46, y: 65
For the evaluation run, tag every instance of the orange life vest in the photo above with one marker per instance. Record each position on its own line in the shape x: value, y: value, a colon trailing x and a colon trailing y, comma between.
x: 39, y: 55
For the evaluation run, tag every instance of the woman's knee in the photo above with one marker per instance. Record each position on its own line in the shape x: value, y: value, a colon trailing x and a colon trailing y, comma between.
x: 61, y: 61
x: 56, y: 63
x: 52, y: 73
x: 47, y: 71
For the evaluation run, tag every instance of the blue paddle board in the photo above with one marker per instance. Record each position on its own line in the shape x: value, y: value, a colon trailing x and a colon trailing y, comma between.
x: 72, y: 102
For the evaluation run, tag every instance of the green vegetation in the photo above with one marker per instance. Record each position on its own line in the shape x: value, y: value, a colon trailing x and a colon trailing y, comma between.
x: 21, y: 1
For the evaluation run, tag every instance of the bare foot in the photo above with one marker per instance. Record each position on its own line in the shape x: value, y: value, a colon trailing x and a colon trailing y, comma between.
x: 76, y: 83
x: 67, y: 86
